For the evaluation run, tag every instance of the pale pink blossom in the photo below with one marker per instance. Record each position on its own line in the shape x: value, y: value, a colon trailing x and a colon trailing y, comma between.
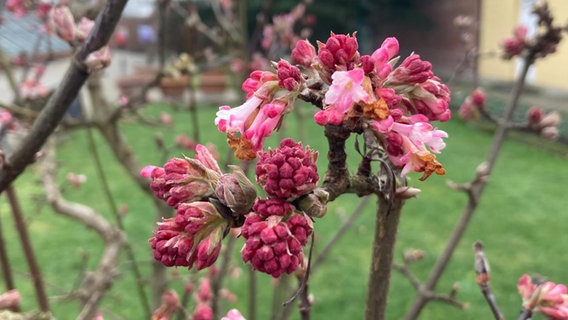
x: 265, y: 122
x: 76, y: 180
x: 31, y: 89
x: 98, y: 60
x: 421, y: 134
x: 234, y: 120
x: 233, y: 314
x: 166, y: 119
x: 83, y: 29
x: 345, y: 90
x: 547, y: 298
x: 381, y: 57
x: 407, y: 142
x: 17, y: 7
x: 10, y: 299
x: 202, y: 312
x: 62, y: 23
x: 170, y: 304
x: 204, y: 294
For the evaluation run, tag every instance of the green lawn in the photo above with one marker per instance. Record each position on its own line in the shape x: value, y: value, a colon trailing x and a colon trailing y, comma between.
x: 522, y: 220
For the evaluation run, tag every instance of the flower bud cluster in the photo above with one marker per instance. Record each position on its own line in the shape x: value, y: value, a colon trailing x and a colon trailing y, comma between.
x: 278, y: 227
x: 514, y: 46
x: 62, y: 23
x: 545, y: 124
x: 208, y: 203
x: 287, y: 172
x: 544, y: 41
x: 275, y: 234
x: 473, y: 105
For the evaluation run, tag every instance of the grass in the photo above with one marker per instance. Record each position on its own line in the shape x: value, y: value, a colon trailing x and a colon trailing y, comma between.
x: 522, y: 220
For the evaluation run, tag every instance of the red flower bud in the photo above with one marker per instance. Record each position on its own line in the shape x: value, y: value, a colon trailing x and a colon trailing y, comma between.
x: 288, y: 171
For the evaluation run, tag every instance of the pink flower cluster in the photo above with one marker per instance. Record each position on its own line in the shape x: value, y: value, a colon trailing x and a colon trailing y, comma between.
x: 548, y: 298
x: 270, y: 96
x: 398, y: 102
x: 276, y: 230
x: 202, y: 219
x: 364, y: 90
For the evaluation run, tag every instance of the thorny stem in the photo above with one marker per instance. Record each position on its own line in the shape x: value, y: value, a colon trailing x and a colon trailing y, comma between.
x: 28, y: 250
x: 114, y: 208
x: 57, y: 105
x: 475, y: 194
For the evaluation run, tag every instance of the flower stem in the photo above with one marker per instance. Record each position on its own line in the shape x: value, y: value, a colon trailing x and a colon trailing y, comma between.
x: 526, y: 314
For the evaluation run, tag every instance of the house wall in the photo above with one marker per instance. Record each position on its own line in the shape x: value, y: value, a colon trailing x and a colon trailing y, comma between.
x: 428, y: 29
x: 498, y: 20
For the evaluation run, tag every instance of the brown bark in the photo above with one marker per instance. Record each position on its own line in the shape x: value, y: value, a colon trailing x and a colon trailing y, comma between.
x: 386, y: 227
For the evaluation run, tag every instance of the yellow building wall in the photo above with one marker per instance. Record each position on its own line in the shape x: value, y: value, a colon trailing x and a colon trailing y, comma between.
x: 498, y: 19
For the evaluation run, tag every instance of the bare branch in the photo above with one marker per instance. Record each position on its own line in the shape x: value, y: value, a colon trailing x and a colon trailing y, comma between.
x: 96, y: 283
x: 65, y: 93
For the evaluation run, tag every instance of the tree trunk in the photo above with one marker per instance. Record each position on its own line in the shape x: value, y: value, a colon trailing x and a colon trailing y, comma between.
x: 386, y: 226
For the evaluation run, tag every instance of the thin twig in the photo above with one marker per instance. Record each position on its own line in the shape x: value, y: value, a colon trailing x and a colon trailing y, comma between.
x: 217, y: 281
x: 253, y: 294
x: 118, y: 218
x: 477, y: 189
x: 340, y: 232
x: 482, y: 278
x: 28, y: 250
x: 403, y: 268
x: 99, y: 281
x: 6, y: 268
x: 58, y: 103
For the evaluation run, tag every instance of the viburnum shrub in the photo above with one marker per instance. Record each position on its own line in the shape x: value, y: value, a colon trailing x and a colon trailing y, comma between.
x: 392, y: 106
